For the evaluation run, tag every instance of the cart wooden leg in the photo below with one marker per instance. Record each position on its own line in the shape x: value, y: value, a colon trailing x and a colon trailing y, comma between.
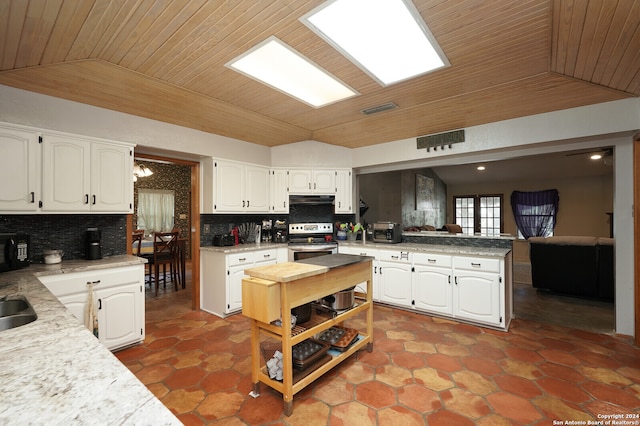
x: 256, y: 388
x: 255, y: 354
x: 370, y: 347
x: 288, y: 408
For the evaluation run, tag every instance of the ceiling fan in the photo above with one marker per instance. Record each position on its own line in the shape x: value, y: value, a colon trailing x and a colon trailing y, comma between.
x: 594, y: 154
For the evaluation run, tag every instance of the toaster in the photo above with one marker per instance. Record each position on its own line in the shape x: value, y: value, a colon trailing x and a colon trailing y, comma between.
x: 223, y: 240
x: 387, y: 232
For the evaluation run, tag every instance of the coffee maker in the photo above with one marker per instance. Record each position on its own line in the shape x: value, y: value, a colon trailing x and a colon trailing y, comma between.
x: 94, y: 247
x: 267, y: 236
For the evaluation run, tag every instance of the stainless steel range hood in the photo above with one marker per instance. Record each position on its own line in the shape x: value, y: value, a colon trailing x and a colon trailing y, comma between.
x: 311, y: 199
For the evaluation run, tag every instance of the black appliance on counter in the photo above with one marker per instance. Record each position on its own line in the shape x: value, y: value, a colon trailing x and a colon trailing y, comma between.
x: 94, y: 246
x: 387, y: 232
x: 223, y: 240
x: 279, y: 231
x: 15, y: 251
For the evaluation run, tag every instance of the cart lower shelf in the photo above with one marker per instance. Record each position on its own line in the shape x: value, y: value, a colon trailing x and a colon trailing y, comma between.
x: 303, y: 378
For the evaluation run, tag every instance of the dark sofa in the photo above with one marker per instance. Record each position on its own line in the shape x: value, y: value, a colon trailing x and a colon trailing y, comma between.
x: 578, y: 266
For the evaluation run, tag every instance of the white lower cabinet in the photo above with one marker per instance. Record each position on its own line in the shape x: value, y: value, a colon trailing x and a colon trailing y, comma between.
x: 118, y: 296
x: 469, y: 288
x: 221, y: 277
x: 365, y: 251
x: 432, y: 283
x: 394, y: 277
x: 478, y: 290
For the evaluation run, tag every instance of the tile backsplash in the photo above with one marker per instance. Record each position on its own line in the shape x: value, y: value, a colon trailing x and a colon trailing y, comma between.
x: 67, y: 233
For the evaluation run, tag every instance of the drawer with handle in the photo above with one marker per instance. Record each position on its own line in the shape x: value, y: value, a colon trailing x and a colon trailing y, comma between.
x: 242, y: 258
x: 265, y: 255
x: 395, y: 256
x: 429, y: 259
x: 476, y: 263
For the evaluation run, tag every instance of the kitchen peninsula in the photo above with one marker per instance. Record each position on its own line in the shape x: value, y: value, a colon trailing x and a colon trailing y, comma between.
x: 464, y: 277
x: 269, y: 294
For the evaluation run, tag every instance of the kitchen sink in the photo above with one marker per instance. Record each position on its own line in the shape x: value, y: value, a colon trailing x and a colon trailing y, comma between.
x: 15, y: 312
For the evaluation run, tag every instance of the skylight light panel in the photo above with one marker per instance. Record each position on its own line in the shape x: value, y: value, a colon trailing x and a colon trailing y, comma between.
x: 388, y: 39
x: 277, y: 65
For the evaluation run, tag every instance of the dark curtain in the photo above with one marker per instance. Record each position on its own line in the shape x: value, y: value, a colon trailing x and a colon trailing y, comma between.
x: 535, y: 212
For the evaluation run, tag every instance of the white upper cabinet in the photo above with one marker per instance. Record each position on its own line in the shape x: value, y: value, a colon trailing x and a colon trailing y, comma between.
x: 300, y: 182
x: 257, y: 187
x: 66, y: 177
x: 307, y: 181
x: 240, y: 187
x: 19, y: 170
x: 344, y: 192
x: 279, y: 192
x: 84, y: 176
x: 229, y: 186
x: 324, y: 182
x: 111, y: 178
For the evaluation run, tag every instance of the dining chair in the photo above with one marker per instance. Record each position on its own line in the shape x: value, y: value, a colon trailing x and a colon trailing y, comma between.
x: 164, y: 253
x: 136, y: 238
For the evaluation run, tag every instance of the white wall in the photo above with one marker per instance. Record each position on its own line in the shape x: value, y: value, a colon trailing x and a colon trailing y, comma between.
x: 310, y: 154
x: 579, y: 127
x: 582, y: 127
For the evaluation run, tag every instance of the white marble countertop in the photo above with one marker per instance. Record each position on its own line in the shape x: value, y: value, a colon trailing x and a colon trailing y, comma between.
x: 54, y: 371
x: 413, y: 247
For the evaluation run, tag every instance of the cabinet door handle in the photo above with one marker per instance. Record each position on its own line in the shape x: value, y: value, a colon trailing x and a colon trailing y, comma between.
x: 284, y: 204
x: 248, y: 203
x: 476, y: 265
x: 455, y: 279
x: 99, y: 304
x: 449, y: 279
x: 394, y: 257
x: 33, y: 197
x: 381, y: 270
x: 243, y: 203
x: 242, y: 259
x: 86, y: 198
x: 266, y: 256
x: 94, y: 200
x: 431, y: 260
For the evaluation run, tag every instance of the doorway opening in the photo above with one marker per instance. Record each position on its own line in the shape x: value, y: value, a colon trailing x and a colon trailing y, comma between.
x: 187, y: 214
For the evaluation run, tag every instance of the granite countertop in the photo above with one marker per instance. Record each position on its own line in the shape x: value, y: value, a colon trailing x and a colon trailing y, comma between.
x: 413, y: 247
x: 445, y: 234
x: 243, y: 247
x: 54, y: 371
x: 431, y: 248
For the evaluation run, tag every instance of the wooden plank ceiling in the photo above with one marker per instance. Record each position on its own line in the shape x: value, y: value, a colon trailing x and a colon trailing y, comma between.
x: 165, y: 59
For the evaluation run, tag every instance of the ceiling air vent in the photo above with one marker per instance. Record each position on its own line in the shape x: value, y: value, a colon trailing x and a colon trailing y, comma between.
x: 379, y: 108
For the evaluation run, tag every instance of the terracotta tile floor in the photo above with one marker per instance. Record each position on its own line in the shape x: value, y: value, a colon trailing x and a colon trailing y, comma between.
x: 422, y: 370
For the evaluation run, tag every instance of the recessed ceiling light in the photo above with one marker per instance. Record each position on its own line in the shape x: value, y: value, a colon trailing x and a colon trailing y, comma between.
x: 277, y: 65
x: 481, y: 168
x: 388, y: 39
x: 596, y: 156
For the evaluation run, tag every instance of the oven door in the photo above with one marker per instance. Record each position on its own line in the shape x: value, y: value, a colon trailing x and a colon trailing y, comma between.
x: 306, y: 251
